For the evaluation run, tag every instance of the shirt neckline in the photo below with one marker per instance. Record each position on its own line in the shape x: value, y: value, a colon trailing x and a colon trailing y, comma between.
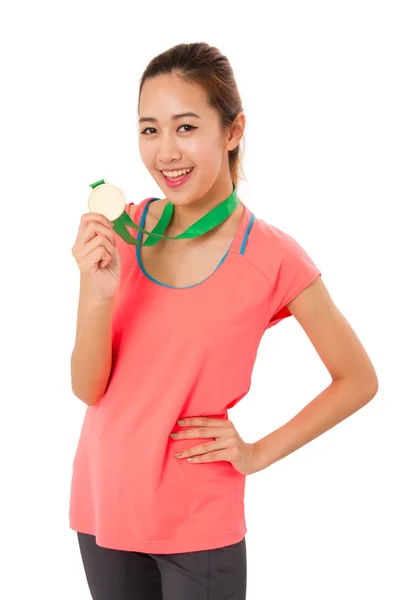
x: 233, y: 248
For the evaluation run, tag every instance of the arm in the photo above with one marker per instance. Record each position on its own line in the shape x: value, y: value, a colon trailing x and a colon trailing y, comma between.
x: 91, y: 357
x: 354, y: 381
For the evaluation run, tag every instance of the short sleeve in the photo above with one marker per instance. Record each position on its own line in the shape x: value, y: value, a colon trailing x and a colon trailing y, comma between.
x: 295, y: 270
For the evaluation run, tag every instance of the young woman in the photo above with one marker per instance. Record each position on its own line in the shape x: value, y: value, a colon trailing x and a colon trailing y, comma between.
x: 170, y: 331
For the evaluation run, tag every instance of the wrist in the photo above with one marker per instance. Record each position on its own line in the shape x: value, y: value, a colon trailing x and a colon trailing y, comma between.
x: 262, y: 456
x: 97, y: 300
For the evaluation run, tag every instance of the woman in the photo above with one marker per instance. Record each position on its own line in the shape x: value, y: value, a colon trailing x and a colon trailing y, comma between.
x: 170, y: 331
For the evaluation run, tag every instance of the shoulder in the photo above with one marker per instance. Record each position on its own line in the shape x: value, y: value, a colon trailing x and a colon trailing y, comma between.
x: 153, y: 209
x: 285, y: 264
x: 271, y: 236
x: 277, y: 254
x: 268, y: 244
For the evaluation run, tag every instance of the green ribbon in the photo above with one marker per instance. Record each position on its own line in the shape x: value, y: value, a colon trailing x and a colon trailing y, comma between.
x: 214, y: 217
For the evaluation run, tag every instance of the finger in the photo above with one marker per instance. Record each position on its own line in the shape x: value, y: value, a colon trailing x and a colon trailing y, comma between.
x: 98, y: 256
x: 201, y: 449
x: 205, y: 421
x: 106, y: 259
x: 93, y: 228
x: 214, y: 456
x: 99, y: 218
x: 88, y: 233
x: 198, y: 432
x: 99, y: 240
x: 89, y: 222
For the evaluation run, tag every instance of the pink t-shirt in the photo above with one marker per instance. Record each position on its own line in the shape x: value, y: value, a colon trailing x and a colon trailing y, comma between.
x: 179, y: 352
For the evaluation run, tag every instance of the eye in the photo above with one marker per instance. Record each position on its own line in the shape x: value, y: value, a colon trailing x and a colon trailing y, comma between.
x: 190, y: 128
x: 144, y: 130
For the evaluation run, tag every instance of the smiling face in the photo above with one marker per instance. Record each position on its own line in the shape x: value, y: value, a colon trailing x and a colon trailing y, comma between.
x: 168, y: 143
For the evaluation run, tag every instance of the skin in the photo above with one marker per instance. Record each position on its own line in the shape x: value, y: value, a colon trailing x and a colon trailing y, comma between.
x: 184, y: 262
x: 168, y: 144
x: 354, y: 384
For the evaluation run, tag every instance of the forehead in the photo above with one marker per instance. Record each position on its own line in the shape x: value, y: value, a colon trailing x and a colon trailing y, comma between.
x: 165, y: 95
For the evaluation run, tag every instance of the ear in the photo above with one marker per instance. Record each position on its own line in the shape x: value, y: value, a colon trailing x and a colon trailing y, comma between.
x: 236, y: 131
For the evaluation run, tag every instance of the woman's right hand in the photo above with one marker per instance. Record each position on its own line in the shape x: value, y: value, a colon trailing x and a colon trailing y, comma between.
x: 96, y: 254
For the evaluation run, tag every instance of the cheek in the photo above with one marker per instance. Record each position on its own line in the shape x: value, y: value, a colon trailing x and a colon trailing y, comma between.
x: 146, y: 153
x: 204, y: 152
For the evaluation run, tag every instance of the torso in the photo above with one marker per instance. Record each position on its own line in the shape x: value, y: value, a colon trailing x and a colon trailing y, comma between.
x: 182, y: 263
x: 180, y: 354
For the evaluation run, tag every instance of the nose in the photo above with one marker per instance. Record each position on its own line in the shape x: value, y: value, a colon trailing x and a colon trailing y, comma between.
x: 168, y: 149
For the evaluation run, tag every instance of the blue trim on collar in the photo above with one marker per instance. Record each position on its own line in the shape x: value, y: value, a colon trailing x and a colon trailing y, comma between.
x: 246, y: 235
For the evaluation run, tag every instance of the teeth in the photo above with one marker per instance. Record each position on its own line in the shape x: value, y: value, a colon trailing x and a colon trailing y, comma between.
x: 177, y: 173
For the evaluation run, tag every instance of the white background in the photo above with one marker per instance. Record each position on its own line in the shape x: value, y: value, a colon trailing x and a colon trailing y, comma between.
x: 320, y: 88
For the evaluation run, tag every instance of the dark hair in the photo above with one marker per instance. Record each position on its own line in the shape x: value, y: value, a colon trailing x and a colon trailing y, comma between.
x: 202, y: 64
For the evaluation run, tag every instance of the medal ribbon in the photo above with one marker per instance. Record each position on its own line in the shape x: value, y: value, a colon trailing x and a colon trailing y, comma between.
x: 214, y: 217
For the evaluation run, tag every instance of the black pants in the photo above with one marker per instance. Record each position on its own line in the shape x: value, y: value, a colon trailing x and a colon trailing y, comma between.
x: 216, y: 574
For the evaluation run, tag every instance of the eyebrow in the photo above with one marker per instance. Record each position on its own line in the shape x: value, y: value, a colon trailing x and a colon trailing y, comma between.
x: 186, y: 114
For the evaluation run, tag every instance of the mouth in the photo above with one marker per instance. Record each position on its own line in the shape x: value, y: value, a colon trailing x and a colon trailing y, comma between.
x: 179, y: 180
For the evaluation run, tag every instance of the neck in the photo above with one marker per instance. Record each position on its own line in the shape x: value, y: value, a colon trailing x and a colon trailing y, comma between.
x: 186, y: 214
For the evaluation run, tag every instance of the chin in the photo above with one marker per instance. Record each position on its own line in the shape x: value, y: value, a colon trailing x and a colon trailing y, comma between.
x: 179, y: 201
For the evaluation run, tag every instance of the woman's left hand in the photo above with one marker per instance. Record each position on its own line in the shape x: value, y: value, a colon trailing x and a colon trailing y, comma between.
x: 226, y: 445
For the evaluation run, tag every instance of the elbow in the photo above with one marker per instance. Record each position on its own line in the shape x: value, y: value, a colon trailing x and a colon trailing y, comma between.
x: 90, y: 399
x: 371, y: 383
x: 373, y: 387
x: 362, y: 387
x: 368, y: 386
x: 87, y: 389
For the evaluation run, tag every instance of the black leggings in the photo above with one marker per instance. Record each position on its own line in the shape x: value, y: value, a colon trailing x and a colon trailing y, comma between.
x: 217, y: 574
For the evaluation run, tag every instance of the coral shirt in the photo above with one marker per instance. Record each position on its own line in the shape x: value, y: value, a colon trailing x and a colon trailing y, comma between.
x: 179, y: 352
